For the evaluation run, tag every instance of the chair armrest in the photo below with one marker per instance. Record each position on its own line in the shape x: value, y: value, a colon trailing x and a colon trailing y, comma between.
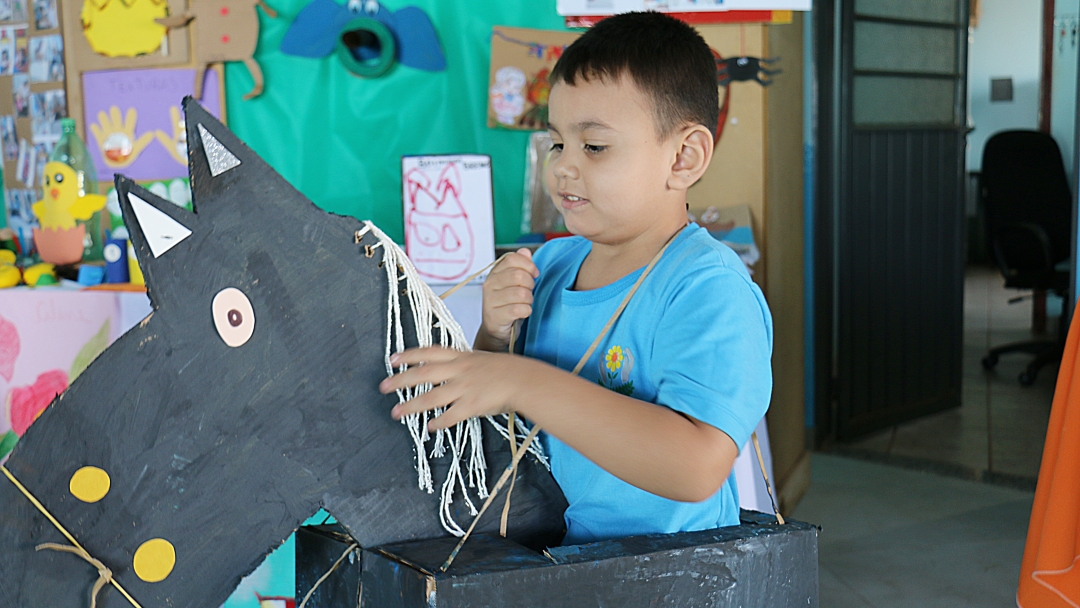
x: 1022, y: 248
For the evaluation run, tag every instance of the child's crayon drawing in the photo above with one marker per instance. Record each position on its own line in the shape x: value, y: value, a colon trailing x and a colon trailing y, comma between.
x: 449, y: 227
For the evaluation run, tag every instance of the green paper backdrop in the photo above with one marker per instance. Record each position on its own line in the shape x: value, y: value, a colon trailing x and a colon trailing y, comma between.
x: 339, y: 138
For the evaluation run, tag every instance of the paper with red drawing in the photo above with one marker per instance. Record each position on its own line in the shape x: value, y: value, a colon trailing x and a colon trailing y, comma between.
x: 449, y: 225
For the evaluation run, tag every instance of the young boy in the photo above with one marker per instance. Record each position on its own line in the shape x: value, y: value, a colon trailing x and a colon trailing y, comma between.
x: 645, y: 439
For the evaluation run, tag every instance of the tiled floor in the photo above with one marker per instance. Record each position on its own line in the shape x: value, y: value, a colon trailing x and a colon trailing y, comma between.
x: 892, y: 537
x: 997, y: 434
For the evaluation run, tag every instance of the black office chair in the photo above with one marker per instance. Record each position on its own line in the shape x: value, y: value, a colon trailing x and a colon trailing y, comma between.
x: 1028, y: 206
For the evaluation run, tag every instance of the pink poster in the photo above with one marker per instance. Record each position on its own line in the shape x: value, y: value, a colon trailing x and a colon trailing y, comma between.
x: 47, y: 338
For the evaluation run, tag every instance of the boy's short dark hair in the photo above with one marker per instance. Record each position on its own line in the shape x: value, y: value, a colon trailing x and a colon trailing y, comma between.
x: 665, y: 58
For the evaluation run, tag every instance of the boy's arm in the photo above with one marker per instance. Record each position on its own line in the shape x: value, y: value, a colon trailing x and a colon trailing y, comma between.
x: 649, y: 446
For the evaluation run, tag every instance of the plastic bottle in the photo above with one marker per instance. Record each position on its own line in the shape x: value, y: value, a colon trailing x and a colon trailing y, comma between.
x: 71, y: 151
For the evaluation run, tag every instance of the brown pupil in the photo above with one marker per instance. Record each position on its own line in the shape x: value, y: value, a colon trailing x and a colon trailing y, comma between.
x: 235, y: 318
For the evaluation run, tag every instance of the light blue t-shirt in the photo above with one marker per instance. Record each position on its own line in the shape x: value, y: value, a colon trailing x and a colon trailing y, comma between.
x: 696, y: 337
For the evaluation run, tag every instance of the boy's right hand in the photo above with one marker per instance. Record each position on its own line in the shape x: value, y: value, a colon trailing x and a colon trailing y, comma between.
x: 508, y: 297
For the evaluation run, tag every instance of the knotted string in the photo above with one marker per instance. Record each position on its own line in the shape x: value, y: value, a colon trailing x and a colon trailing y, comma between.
x: 40, y: 507
x: 104, y: 574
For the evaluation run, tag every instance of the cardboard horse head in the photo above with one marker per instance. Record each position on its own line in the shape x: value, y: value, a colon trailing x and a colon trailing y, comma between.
x: 248, y: 400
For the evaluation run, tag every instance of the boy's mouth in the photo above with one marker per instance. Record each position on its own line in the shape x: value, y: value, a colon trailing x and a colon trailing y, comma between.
x: 570, y: 201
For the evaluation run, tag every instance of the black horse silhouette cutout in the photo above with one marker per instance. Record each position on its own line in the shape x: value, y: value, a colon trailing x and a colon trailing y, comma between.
x: 247, y: 400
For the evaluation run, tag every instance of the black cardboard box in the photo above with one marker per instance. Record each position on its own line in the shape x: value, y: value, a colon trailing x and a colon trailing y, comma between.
x: 759, y: 563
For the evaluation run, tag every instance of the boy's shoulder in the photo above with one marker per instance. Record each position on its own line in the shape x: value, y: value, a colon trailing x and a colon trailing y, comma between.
x: 694, y: 260
x: 696, y: 247
x: 700, y: 252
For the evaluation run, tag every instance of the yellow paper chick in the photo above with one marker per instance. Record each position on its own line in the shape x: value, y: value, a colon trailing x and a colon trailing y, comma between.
x: 63, y: 203
x: 124, y: 29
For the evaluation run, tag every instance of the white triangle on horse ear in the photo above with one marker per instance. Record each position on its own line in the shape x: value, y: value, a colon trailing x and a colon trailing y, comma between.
x: 217, y: 155
x: 161, y: 231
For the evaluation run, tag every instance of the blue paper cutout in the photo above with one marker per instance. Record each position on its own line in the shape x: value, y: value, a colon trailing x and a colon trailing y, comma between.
x: 315, y: 32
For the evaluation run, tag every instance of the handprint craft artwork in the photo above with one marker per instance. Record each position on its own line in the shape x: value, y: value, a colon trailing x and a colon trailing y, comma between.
x: 449, y: 226
x: 133, y: 119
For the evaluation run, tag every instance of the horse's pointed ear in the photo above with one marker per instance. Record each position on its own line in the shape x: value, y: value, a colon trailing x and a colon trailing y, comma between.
x: 228, y: 177
x: 218, y: 161
x: 155, y: 225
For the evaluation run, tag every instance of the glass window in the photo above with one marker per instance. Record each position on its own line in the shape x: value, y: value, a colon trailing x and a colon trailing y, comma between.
x: 888, y: 100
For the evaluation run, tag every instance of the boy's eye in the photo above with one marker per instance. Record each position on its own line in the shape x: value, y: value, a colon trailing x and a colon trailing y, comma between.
x: 592, y: 149
x: 556, y: 147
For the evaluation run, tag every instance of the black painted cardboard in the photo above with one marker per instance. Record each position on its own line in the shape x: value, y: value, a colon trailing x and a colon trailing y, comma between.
x: 756, y: 564
x: 224, y: 451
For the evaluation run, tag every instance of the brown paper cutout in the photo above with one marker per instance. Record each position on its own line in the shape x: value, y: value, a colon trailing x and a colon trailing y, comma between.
x: 225, y: 30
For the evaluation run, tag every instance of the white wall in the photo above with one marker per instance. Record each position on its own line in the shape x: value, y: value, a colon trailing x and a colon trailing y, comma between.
x: 1063, y: 88
x: 1007, y: 43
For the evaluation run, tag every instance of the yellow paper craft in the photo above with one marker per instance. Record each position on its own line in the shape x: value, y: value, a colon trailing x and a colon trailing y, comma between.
x: 116, y: 137
x: 116, y: 28
x: 64, y: 201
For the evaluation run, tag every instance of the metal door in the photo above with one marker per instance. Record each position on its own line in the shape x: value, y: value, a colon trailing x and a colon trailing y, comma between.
x: 896, y: 194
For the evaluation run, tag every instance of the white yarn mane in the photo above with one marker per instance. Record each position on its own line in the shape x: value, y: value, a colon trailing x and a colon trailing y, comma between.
x: 463, y: 443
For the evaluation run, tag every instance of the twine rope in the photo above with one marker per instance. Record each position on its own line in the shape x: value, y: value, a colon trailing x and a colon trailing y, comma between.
x: 104, y: 574
x: 75, y: 544
x: 464, y: 441
x: 511, y: 468
x: 352, y: 547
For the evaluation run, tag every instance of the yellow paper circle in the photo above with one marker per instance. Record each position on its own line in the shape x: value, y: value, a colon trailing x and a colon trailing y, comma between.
x: 154, y: 560
x: 90, y: 484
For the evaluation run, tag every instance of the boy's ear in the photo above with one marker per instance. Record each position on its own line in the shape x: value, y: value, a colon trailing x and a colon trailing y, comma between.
x: 693, y: 154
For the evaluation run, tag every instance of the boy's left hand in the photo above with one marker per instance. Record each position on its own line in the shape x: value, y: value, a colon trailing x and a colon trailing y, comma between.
x: 476, y: 383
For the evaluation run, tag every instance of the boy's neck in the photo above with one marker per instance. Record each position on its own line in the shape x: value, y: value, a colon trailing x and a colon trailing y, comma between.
x: 609, y: 262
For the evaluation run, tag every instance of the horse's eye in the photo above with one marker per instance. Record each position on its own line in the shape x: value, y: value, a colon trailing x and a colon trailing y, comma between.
x: 233, y: 316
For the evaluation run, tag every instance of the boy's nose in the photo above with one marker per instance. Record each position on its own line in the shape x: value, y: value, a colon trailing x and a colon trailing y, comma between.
x: 563, y: 169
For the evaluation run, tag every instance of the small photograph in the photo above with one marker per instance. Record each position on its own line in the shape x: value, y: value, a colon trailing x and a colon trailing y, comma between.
x: 20, y: 92
x: 22, y: 53
x: 7, y: 51
x: 46, y: 110
x: 47, y: 58
x: 19, y: 10
x: 7, y: 136
x: 56, y: 105
x: 41, y: 154
x: 6, y: 11
x: 20, y: 163
x: 13, y: 202
x: 45, y: 15
x: 20, y: 214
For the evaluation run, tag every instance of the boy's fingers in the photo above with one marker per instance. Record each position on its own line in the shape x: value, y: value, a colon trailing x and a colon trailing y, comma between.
x: 440, y: 396
x: 431, y: 354
x: 449, y: 418
x: 511, y: 295
x: 514, y: 311
x: 415, y: 376
x: 518, y: 260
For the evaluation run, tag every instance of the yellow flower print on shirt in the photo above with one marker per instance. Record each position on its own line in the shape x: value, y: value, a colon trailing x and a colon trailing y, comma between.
x: 614, y: 358
x: 615, y: 368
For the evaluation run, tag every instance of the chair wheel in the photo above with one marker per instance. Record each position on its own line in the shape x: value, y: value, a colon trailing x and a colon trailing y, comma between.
x: 1026, y: 378
x: 989, y: 361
